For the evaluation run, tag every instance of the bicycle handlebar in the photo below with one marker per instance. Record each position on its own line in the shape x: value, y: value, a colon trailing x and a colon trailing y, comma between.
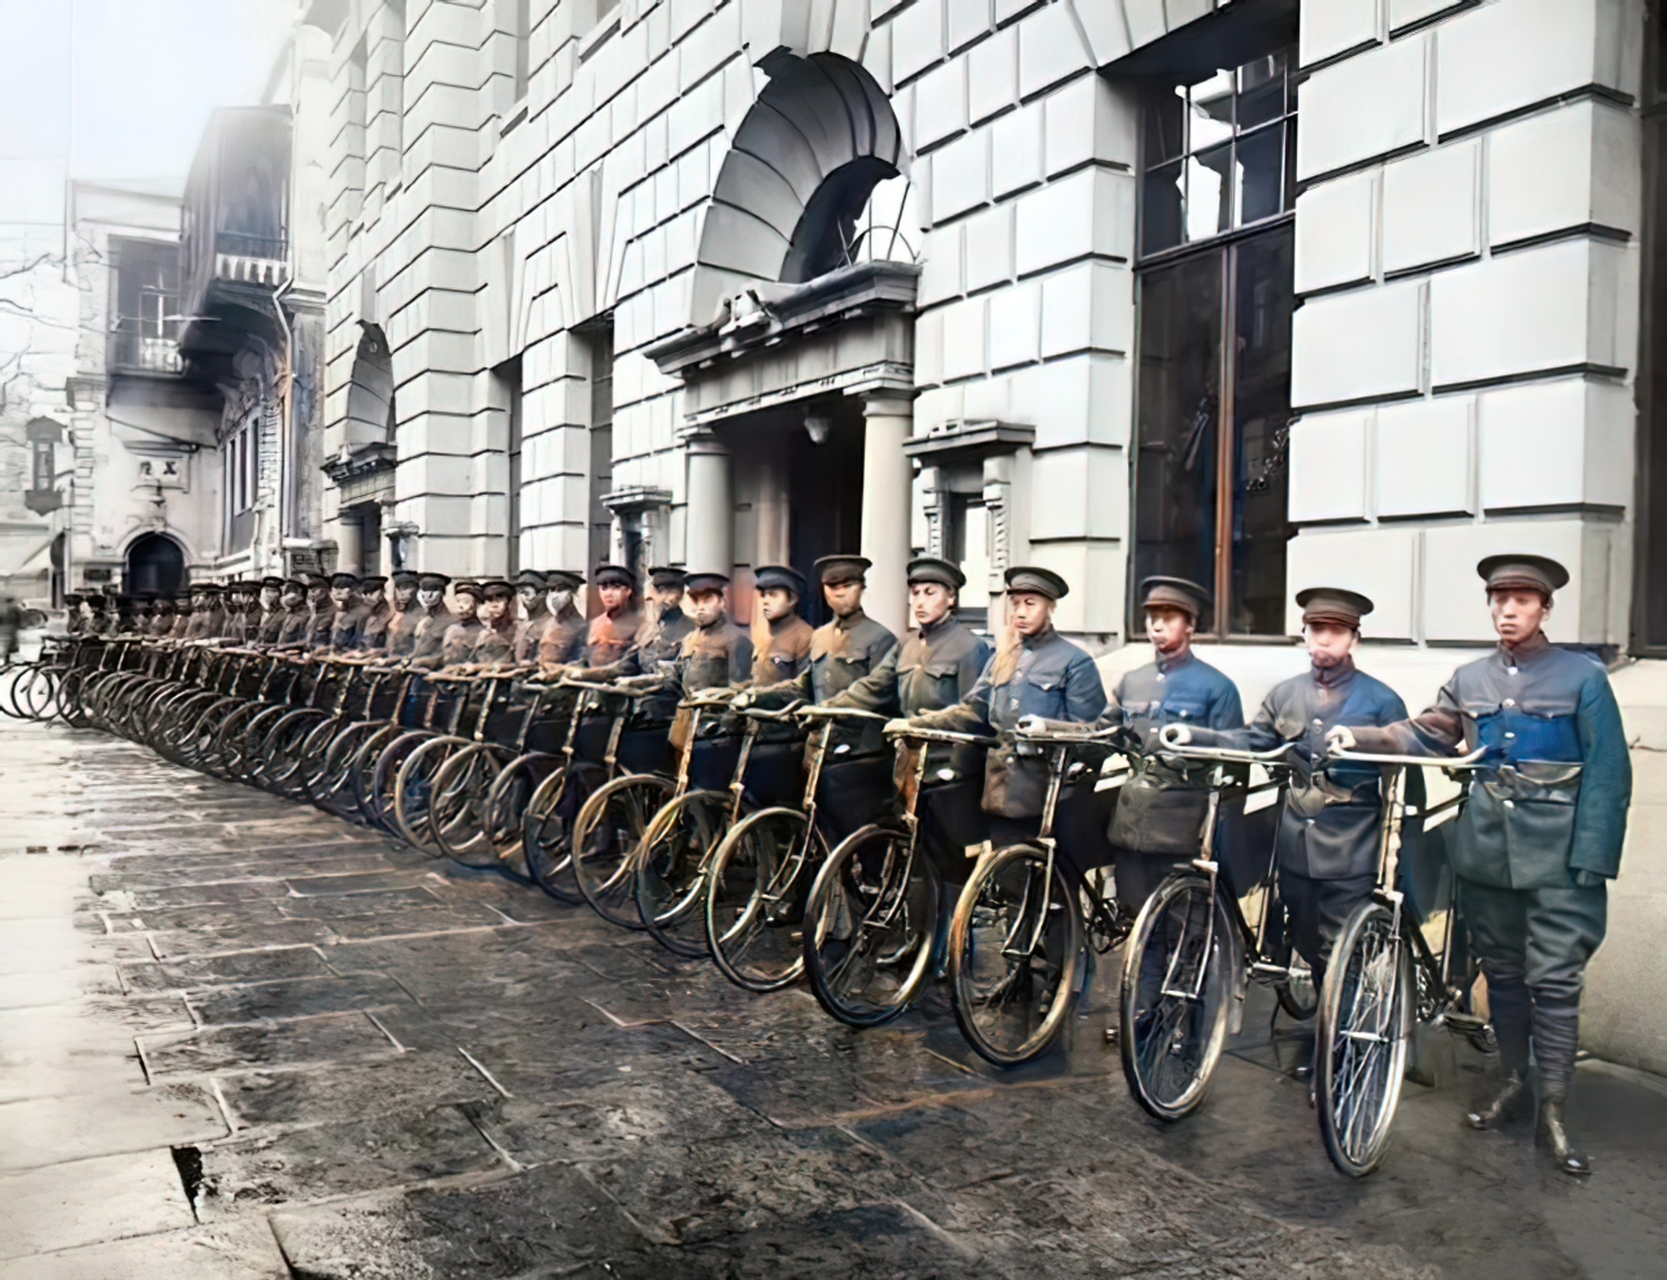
x: 942, y: 735
x: 1471, y: 761
x: 1226, y: 755
x: 811, y: 711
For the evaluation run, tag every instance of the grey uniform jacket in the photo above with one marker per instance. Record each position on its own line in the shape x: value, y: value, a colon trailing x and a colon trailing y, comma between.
x: 429, y: 637
x: 932, y: 669
x: 842, y: 652
x: 1328, y: 829
x: 1551, y: 801
x: 1161, y: 807
x: 1045, y: 676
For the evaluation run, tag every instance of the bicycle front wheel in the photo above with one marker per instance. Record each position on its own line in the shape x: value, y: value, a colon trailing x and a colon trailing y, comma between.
x: 606, y: 834
x: 672, y: 865
x: 1015, y: 948
x: 871, y: 925
x: 755, y: 898
x: 1177, y: 989
x: 1365, y: 1023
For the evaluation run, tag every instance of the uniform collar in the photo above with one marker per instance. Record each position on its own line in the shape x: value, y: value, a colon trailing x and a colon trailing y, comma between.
x: 1527, y: 651
x: 778, y: 625
x: 934, y: 629
x: 851, y: 620
x: 719, y: 625
x: 1167, y: 665
x: 1037, y: 641
x: 1336, y: 677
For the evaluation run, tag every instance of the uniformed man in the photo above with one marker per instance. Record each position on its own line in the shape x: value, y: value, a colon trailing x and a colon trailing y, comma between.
x: 780, y: 637
x: 74, y: 621
x: 296, y: 619
x: 935, y: 667
x: 1327, y: 842
x: 186, y: 604
x: 613, y: 632
x: 1160, y: 811
x: 661, y: 636
x: 1037, y: 675
x: 433, y: 621
x: 321, y: 611
x: 124, y: 612
x: 208, y: 618
x: 373, y: 635
x: 856, y: 774
x: 405, y: 614
x: 234, y: 625
x: 162, y: 617
x: 1541, y: 832
x: 562, y: 642
x: 267, y: 620
x: 348, y: 612
x: 495, y: 642
x: 529, y: 629
x: 459, y: 641
x: 141, y: 619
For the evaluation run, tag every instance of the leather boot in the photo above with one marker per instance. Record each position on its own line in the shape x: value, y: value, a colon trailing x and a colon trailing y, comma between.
x: 1554, y: 1137
x: 1508, y: 1103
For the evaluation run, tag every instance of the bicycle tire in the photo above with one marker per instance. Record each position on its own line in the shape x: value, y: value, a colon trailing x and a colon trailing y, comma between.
x: 606, y: 834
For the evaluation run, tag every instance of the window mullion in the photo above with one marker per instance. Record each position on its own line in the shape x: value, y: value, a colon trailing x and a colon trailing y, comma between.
x: 1226, y: 413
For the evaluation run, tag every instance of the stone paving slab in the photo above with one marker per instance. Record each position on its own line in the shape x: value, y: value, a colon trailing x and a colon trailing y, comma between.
x: 51, y: 1130
x: 419, y: 1070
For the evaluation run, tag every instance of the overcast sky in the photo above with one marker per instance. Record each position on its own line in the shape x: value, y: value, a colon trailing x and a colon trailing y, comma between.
x: 121, y: 89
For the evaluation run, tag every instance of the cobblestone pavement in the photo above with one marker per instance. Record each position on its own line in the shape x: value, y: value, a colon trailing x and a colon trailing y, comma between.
x: 242, y: 1039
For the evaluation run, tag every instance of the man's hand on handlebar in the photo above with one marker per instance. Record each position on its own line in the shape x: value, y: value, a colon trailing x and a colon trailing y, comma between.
x: 1175, y: 735
x: 1339, y: 738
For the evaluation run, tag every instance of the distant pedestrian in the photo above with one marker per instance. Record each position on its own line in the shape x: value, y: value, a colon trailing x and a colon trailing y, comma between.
x: 11, y: 622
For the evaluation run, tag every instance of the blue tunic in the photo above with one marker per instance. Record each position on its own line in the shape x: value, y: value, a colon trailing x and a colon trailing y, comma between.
x: 1161, y: 808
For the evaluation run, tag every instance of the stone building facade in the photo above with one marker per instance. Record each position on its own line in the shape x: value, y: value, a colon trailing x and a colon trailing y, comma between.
x: 1261, y: 292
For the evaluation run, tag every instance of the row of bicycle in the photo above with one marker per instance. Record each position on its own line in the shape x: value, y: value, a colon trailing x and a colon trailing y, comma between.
x: 577, y: 787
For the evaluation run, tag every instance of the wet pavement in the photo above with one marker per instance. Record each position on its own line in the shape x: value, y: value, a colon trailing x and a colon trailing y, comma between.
x: 242, y: 1039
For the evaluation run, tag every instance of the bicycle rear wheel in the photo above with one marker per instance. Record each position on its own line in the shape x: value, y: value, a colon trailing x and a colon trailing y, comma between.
x: 457, y: 805
x: 1015, y: 948
x: 547, y: 828
x: 1365, y: 1023
x: 871, y: 925
x: 755, y: 898
x: 1177, y: 989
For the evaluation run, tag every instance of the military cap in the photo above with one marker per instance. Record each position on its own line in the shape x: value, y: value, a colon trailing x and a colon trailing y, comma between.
x: 563, y: 580
x: 496, y: 589
x: 297, y: 583
x: 270, y: 581
x: 406, y: 577
x: 530, y: 578
x: 942, y: 572
x: 694, y: 583
x: 467, y: 587
x: 73, y: 597
x: 1334, y: 605
x: 832, y: 571
x: 184, y: 595
x: 666, y: 578
x: 374, y: 583
x: 1159, y: 592
x: 433, y: 581
x: 1536, y: 573
x: 344, y: 579
x: 207, y: 588
x: 780, y: 577
x: 616, y: 575
x: 1044, y: 582
x: 314, y: 580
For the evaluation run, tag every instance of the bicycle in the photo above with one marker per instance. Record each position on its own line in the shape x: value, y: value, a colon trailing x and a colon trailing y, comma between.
x: 1383, y: 977
x: 1017, y: 937
x: 1192, y: 952
x: 756, y: 884
x: 875, y: 906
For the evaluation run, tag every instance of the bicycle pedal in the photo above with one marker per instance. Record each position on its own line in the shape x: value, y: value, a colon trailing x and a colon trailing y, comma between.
x: 1111, y: 1035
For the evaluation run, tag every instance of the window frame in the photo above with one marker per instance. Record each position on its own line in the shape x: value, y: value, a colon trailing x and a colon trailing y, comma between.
x: 1226, y: 443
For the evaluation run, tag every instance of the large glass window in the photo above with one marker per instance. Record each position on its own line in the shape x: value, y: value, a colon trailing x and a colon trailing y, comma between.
x: 1213, y: 402
x: 1218, y: 155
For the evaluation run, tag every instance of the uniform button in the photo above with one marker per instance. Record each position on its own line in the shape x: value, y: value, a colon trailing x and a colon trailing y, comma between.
x: 1510, y: 702
x: 1510, y: 735
x: 1318, y: 721
x: 1510, y: 804
x: 1310, y: 822
x: 1160, y: 675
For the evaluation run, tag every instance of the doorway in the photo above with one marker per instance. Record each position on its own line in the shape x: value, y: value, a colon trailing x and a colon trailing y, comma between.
x: 155, y: 566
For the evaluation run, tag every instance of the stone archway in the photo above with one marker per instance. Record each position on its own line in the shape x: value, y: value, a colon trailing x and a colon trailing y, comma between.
x: 155, y: 565
x: 800, y: 171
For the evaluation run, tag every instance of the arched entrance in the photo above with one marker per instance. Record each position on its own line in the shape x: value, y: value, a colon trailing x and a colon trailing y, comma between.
x: 155, y: 564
